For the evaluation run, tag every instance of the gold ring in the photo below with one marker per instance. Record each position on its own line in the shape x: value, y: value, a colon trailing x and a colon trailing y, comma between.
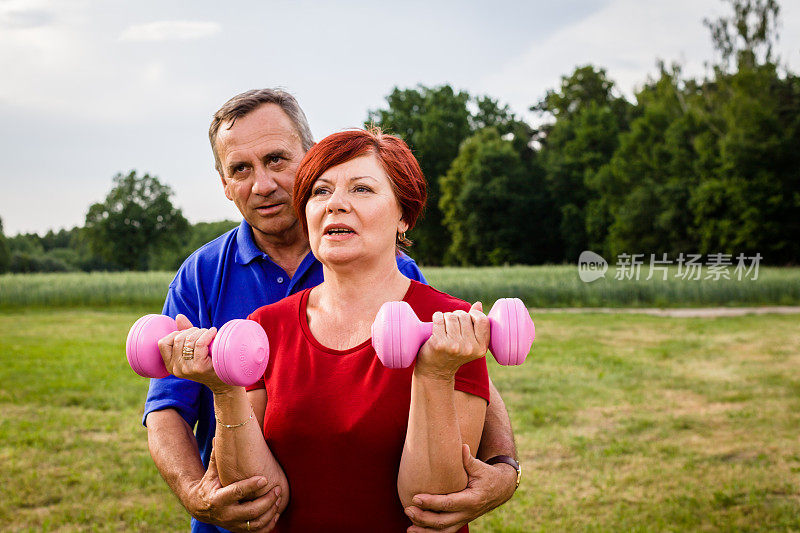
x: 188, y: 352
x: 248, y: 525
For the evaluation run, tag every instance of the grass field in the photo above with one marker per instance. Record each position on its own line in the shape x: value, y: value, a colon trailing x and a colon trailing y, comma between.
x: 538, y: 286
x: 623, y: 423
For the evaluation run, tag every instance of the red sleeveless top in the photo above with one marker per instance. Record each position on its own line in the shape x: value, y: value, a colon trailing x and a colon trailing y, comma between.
x: 336, y: 419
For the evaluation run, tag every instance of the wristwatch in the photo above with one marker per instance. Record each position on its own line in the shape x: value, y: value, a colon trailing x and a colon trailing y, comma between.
x: 509, y: 461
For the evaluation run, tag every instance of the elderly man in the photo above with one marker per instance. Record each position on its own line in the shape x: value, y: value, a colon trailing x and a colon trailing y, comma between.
x: 258, y: 139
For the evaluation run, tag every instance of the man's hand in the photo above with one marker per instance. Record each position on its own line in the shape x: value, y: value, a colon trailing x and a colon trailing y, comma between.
x: 489, y: 486
x: 246, y: 505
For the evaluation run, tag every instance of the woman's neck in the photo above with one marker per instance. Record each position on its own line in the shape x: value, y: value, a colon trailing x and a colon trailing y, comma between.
x: 360, y: 289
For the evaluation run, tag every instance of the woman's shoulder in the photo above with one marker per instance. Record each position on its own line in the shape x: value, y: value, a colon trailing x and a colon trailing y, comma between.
x: 426, y: 300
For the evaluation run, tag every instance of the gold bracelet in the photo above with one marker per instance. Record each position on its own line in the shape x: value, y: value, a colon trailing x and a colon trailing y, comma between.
x: 231, y: 426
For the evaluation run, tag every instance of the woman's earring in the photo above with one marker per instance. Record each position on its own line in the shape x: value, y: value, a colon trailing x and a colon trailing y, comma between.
x: 402, y: 240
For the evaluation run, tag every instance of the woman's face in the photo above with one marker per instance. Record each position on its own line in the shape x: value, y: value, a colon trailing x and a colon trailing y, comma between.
x: 353, y: 213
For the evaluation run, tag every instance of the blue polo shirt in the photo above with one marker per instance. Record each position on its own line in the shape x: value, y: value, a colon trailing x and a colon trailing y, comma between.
x: 227, y: 278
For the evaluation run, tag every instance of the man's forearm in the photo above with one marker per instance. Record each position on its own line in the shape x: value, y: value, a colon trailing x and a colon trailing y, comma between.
x: 497, y: 437
x: 174, y: 451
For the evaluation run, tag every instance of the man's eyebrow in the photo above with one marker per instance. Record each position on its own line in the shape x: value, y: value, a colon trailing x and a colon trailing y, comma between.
x: 278, y: 152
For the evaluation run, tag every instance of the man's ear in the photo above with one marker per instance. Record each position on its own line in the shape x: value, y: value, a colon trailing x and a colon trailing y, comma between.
x: 225, y: 186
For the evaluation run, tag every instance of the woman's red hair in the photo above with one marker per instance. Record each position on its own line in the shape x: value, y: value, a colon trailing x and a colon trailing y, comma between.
x: 399, y: 163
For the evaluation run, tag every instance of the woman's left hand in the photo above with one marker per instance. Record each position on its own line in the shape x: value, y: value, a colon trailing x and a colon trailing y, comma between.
x: 186, y: 355
x: 458, y: 337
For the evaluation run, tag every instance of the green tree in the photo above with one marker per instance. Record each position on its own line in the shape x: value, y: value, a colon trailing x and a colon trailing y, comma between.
x: 751, y: 202
x: 60, y: 239
x: 488, y: 204
x: 24, y: 263
x: 710, y: 166
x: 88, y: 260
x: 746, y: 37
x: 433, y: 121
x: 544, y: 238
x: 136, y: 219
x: 29, y: 243
x: 490, y: 114
x: 586, y: 85
x: 647, y: 184
x: 588, y: 119
x: 5, y: 254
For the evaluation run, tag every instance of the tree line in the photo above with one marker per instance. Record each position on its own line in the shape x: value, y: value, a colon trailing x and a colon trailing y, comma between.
x: 136, y: 227
x: 708, y: 165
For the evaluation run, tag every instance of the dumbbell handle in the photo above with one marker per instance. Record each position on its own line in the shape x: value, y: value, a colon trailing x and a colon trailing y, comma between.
x: 239, y: 351
x: 426, y: 330
x: 397, y: 333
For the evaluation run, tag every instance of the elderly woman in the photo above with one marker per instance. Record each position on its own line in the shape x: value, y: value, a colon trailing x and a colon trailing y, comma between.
x: 345, y: 442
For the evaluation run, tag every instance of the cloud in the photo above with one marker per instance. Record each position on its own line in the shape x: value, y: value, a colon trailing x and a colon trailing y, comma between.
x: 170, y: 30
x: 24, y: 19
x: 75, y: 68
x: 626, y: 37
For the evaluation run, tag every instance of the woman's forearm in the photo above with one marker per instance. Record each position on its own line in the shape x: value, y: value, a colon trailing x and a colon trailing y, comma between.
x: 431, y: 462
x: 241, y: 451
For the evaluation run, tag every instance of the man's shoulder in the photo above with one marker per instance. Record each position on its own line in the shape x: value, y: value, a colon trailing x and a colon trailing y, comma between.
x: 203, y: 268
x: 404, y: 259
x: 409, y: 267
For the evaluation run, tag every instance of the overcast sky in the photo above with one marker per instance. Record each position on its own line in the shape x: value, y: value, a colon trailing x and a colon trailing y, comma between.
x: 92, y: 88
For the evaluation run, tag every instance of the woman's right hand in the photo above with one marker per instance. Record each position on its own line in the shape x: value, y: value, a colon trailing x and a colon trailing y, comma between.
x: 195, y: 364
x: 458, y: 337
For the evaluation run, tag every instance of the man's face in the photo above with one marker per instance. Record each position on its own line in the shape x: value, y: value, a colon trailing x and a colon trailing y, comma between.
x: 259, y: 156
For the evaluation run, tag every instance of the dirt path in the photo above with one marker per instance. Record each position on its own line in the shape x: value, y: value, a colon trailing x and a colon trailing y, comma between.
x: 685, y: 312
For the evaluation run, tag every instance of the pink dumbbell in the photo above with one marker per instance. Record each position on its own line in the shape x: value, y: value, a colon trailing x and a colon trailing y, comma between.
x: 397, y: 333
x: 239, y: 351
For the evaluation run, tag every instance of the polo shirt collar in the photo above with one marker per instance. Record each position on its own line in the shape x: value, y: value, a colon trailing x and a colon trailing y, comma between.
x: 246, y: 249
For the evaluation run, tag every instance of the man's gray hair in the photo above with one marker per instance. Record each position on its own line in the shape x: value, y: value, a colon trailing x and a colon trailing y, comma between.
x: 247, y: 102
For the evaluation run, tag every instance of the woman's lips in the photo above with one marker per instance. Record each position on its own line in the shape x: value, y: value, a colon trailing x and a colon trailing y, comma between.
x: 338, y: 236
x: 338, y: 232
